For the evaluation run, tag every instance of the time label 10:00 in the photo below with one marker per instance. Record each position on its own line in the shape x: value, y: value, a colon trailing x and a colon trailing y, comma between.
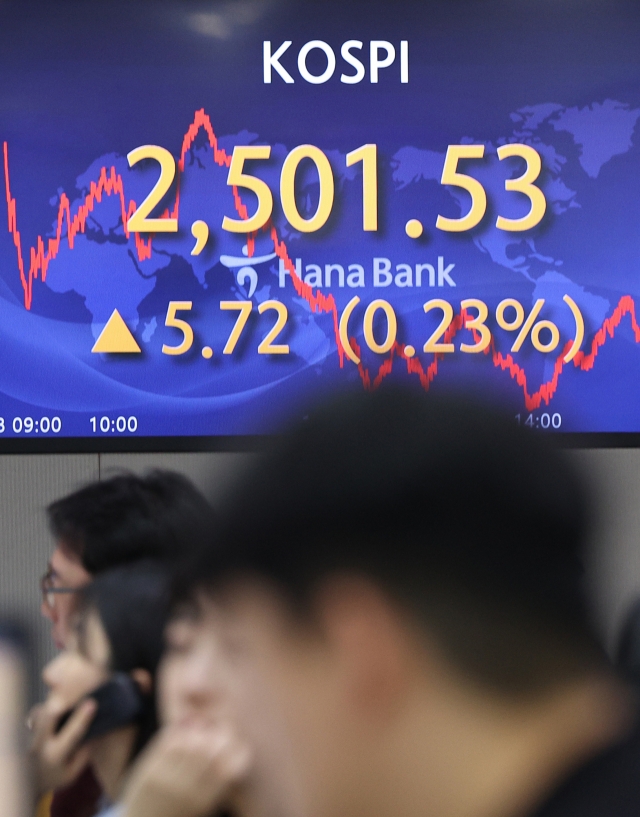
x: 112, y: 425
x: 140, y: 222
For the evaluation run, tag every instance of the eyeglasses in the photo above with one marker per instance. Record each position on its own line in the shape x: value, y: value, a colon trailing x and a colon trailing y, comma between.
x: 49, y: 590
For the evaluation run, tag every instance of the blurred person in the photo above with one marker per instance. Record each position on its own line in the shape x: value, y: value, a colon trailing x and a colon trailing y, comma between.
x: 203, y: 760
x: 394, y: 624
x: 117, y: 629
x: 100, y: 526
x: 114, y: 522
x: 13, y: 687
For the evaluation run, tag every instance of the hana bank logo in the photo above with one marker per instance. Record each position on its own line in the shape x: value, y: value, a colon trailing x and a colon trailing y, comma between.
x: 245, y: 271
x: 382, y: 55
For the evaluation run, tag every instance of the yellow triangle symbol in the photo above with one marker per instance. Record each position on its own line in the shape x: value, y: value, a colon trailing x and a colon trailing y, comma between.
x: 116, y: 336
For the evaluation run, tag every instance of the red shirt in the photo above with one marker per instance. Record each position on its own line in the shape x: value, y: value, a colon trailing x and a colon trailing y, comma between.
x: 80, y: 799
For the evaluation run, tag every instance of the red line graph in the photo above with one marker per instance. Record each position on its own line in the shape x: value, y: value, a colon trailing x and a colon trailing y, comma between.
x: 583, y: 360
x: 110, y: 183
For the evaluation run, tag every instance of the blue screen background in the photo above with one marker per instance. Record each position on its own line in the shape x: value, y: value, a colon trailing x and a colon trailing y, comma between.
x: 85, y: 83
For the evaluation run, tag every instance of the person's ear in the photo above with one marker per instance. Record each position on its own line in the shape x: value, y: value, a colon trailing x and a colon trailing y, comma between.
x: 143, y: 680
x: 369, y: 640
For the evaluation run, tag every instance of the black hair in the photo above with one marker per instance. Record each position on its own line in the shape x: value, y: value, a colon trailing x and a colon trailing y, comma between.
x: 126, y: 518
x: 132, y: 603
x: 474, y: 524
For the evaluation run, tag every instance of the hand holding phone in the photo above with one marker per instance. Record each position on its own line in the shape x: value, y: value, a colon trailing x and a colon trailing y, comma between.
x: 57, y: 752
x: 119, y: 703
x: 60, y: 736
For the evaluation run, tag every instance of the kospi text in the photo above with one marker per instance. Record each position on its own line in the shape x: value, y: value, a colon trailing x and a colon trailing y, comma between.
x: 382, y: 55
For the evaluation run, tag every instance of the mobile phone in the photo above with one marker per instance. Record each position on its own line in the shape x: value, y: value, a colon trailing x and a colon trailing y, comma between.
x: 13, y: 683
x: 120, y: 703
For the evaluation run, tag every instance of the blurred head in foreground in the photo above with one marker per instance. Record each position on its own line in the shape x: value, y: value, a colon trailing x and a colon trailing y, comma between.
x: 115, y: 522
x: 396, y: 617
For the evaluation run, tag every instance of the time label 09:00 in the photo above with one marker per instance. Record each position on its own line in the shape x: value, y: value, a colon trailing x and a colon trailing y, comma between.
x: 29, y: 425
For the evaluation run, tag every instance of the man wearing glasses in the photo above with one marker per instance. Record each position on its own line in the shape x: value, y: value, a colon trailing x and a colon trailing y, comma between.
x: 101, y: 526
x: 64, y: 577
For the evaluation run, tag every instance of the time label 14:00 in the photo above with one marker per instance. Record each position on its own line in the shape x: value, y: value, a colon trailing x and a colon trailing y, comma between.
x: 139, y: 221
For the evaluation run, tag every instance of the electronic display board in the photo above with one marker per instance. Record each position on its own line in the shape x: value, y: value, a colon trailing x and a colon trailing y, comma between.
x: 214, y: 213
